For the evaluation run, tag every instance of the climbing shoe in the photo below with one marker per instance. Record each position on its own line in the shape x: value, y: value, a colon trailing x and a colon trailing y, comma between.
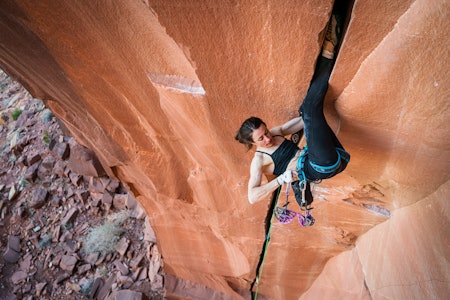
x: 332, y: 38
x: 333, y: 31
x: 336, y: 24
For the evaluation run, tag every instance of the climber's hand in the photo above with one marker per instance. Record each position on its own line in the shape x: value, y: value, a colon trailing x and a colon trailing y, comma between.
x: 286, y: 177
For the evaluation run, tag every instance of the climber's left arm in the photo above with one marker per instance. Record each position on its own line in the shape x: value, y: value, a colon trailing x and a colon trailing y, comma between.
x: 290, y: 127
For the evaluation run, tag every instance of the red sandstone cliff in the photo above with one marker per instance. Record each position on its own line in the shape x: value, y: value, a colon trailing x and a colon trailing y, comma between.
x: 158, y: 88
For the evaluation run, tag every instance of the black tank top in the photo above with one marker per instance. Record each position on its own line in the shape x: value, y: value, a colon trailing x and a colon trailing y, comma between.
x: 282, y: 156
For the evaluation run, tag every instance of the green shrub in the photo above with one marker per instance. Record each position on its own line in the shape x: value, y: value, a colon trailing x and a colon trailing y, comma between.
x: 16, y: 114
x: 103, y: 271
x: 46, y: 137
x: 104, y: 238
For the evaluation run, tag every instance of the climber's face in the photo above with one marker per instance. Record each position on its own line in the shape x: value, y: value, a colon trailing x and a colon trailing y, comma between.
x: 262, y: 137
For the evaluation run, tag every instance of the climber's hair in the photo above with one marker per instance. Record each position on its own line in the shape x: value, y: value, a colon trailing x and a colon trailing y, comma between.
x: 244, y: 134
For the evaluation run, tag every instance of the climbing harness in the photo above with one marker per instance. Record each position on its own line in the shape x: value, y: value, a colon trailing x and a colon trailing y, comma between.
x: 300, y: 167
x: 342, y: 155
x: 285, y: 215
x: 301, y: 172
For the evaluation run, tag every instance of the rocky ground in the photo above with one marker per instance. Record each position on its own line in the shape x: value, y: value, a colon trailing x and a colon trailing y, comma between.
x: 67, y: 231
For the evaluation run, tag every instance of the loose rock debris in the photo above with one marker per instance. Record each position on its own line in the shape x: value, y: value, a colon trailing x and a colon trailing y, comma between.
x: 54, y: 195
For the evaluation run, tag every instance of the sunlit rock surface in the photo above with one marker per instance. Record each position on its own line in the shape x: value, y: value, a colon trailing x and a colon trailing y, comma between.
x: 158, y: 88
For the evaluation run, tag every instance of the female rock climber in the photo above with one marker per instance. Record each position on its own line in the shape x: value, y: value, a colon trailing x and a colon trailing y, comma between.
x: 280, y: 158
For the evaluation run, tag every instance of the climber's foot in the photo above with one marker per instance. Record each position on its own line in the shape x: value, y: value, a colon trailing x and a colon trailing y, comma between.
x: 331, y: 38
x: 333, y: 35
x: 333, y: 31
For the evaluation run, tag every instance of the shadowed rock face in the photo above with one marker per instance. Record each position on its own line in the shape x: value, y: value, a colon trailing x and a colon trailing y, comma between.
x: 158, y: 88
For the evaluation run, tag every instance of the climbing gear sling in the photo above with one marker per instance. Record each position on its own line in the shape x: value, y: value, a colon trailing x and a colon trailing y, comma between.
x: 285, y: 216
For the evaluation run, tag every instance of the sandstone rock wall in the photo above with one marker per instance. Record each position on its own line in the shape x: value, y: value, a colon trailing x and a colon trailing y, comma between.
x: 158, y: 88
x: 392, y: 260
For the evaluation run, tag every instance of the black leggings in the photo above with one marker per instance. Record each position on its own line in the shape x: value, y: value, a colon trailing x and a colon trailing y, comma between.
x: 320, y: 139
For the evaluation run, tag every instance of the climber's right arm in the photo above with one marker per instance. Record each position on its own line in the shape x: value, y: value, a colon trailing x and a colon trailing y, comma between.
x: 258, y: 192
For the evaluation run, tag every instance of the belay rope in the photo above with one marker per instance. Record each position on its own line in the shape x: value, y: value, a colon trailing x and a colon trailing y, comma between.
x: 270, y: 215
x: 284, y: 216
